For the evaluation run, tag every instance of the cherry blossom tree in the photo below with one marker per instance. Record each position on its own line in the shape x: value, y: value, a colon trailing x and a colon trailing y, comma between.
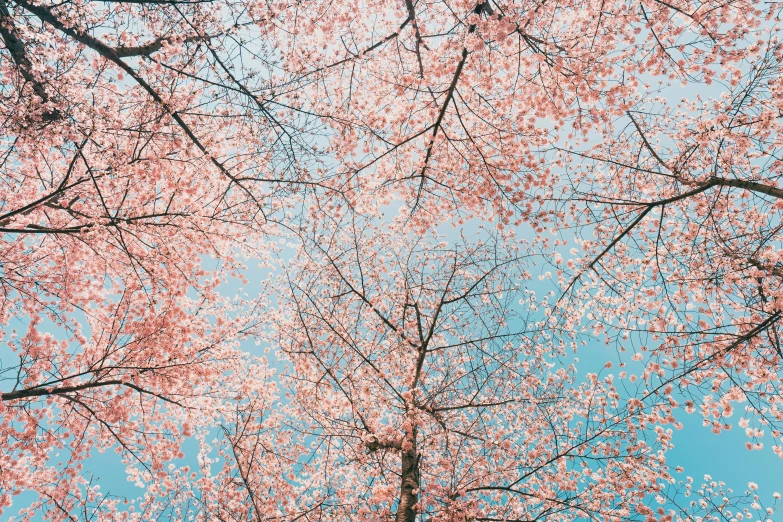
x: 142, y: 138
x: 494, y: 109
x: 418, y: 375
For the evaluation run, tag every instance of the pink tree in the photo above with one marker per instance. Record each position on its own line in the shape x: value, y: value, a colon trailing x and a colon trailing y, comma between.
x: 557, y: 114
x: 142, y: 137
x: 425, y: 388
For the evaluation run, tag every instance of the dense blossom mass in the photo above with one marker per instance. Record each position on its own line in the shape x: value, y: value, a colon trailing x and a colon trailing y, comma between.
x: 448, y: 201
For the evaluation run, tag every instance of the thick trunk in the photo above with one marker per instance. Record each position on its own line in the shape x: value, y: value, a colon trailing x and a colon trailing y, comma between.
x: 409, y: 483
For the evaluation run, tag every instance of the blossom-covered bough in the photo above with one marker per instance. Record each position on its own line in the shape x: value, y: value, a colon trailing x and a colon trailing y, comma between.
x: 151, y: 148
x: 692, y: 231
x: 126, y: 154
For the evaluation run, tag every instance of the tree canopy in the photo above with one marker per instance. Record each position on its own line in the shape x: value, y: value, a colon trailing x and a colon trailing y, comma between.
x: 449, y: 201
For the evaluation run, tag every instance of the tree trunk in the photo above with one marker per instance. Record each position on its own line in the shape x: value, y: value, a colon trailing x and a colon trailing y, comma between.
x: 409, y: 486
